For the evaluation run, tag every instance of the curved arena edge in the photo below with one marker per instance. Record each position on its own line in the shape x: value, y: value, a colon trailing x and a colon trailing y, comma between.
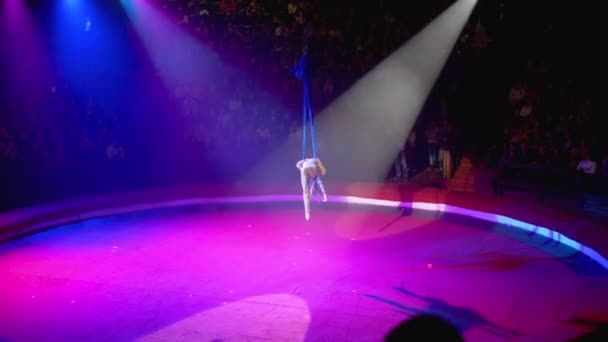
x: 31, y: 220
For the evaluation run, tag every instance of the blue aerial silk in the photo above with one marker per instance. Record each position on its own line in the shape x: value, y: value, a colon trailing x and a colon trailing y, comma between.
x: 300, y: 71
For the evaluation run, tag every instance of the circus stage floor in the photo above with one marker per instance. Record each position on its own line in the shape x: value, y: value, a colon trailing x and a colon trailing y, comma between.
x: 261, y: 272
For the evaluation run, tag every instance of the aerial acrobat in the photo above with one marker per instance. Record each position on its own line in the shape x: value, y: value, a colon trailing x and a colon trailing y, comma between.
x: 311, y: 169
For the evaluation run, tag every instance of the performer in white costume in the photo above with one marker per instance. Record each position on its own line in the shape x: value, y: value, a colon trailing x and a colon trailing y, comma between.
x: 311, y: 170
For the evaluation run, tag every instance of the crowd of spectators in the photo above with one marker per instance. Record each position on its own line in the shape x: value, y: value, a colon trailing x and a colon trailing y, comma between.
x: 549, y: 121
x: 551, y: 125
x: 547, y: 117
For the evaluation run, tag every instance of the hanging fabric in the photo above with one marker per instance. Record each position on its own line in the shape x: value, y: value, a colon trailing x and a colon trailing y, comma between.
x: 300, y: 70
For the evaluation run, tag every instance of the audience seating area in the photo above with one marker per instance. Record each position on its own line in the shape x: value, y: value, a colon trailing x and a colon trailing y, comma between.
x: 546, y: 109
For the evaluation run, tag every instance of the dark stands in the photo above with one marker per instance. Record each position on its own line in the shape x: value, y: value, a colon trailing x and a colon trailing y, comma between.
x: 589, y: 190
x: 551, y: 143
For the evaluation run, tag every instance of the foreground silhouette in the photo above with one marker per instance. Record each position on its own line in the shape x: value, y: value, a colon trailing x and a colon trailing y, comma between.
x: 462, y: 318
x: 424, y: 328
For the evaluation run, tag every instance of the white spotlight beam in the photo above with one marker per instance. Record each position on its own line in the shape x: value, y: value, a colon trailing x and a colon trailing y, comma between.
x: 361, y: 132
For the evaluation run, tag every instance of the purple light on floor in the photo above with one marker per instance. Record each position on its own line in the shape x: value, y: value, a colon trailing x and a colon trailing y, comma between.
x: 209, y: 325
x: 489, y: 217
x: 178, y: 291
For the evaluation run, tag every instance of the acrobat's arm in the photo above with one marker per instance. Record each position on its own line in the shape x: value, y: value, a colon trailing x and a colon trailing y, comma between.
x: 300, y: 164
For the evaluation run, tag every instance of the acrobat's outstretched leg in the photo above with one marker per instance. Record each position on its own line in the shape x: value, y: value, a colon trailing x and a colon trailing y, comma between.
x: 306, y: 194
x: 320, y: 192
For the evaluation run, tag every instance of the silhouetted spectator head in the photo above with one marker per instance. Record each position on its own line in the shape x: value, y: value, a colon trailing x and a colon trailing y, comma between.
x: 424, y: 328
x: 598, y: 334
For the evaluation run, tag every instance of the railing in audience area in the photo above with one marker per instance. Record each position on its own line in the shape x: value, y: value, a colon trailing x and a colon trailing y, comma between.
x: 27, y: 185
x: 589, y: 191
x: 541, y: 180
